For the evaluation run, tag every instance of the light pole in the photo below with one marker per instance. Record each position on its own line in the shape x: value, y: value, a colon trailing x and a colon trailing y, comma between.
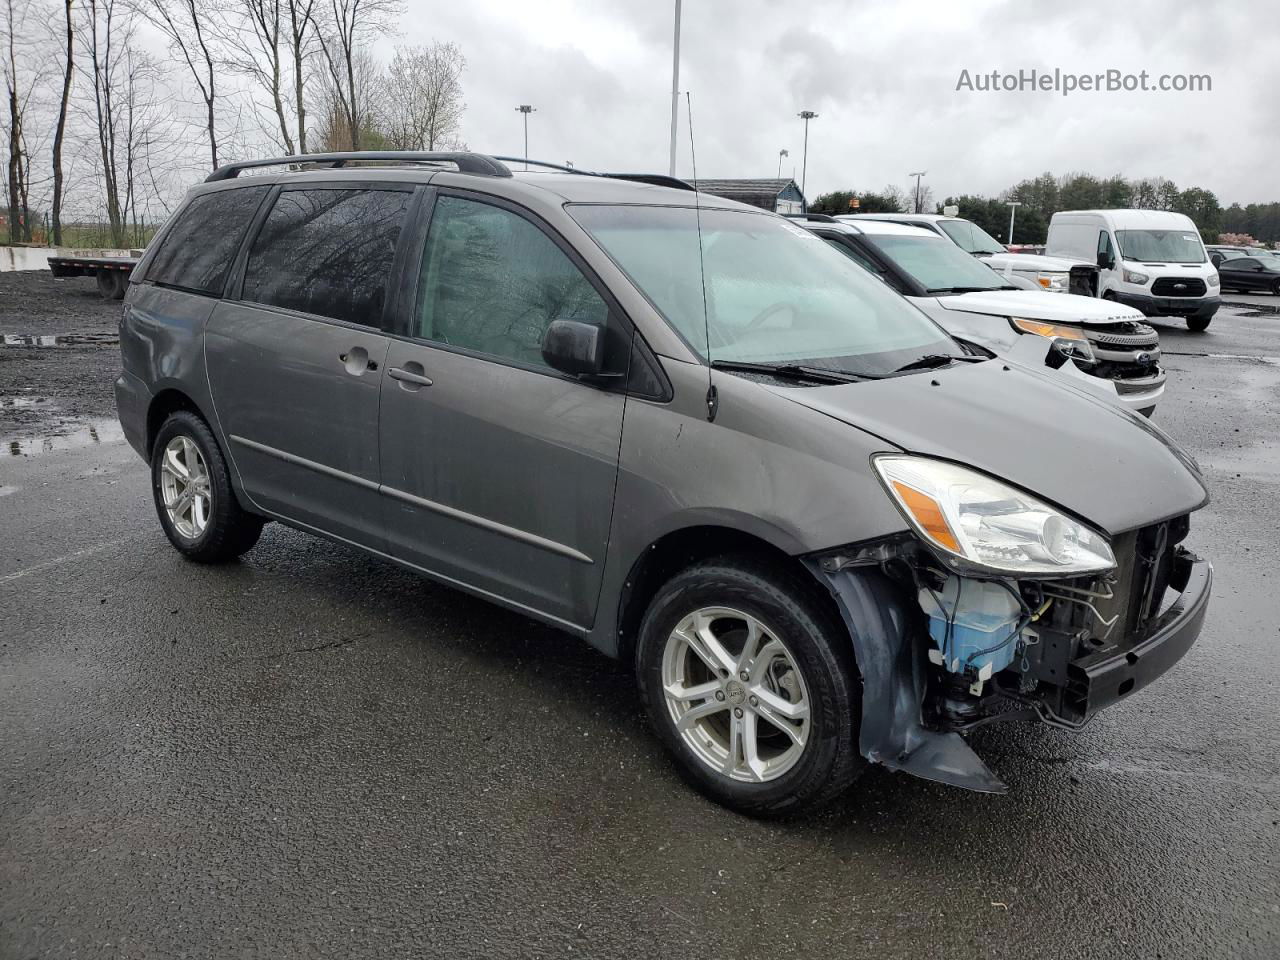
x: 675, y: 89
x: 526, y: 110
x: 806, y: 116
x: 781, y: 154
x: 1013, y: 207
x: 918, y: 174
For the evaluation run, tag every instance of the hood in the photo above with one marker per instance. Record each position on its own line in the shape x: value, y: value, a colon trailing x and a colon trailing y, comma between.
x: 1031, y: 261
x: 1038, y: 305
x: 1112, y: 468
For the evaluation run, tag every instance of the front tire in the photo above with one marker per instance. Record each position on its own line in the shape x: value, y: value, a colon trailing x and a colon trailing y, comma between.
x: 749, y: 680
x: 194, y: 499
x: 1198, y: 324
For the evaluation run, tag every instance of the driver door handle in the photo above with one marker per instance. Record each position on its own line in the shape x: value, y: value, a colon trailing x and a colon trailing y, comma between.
x: 409, y: 376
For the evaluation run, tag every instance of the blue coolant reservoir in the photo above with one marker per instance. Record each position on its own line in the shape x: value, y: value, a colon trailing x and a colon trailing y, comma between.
x: 973, y: 623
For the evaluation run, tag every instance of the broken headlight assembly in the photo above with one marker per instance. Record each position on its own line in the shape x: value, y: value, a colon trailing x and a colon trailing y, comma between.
x: 1068, y: 341
x: 1054, y: 282
x: 978, y: 525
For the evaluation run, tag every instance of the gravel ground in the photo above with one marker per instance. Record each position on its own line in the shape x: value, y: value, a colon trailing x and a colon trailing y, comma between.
x: 55, y: 388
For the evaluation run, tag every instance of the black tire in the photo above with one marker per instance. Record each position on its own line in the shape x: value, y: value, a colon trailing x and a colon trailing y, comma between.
x: 1275, y: 288
x: 230, y: 530
x: 792, y: 610
x: 111, y: 284
x: 1199, y: 324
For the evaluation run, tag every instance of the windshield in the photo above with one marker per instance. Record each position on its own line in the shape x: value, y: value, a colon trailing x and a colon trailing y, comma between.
x: 1161, y: 246
x: 936, y: 264
x: 970, y: 237
x: 774, y: 293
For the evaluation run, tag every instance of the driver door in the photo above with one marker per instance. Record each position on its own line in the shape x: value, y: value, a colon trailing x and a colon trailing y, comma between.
x: 498, y: 472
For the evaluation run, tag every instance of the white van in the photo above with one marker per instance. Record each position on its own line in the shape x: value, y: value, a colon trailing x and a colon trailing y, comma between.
x: 1150, y: 259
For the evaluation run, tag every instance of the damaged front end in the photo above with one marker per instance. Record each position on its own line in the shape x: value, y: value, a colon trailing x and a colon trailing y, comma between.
x: 944, y: 646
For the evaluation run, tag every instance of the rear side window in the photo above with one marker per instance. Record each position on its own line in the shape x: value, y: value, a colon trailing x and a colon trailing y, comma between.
x: 327, y: 252
x: 197, y: 250
x: 493, y: 282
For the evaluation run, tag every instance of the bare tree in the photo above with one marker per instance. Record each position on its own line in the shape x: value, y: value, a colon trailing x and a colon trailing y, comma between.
x: 270, y: 41
x: 18, y: 88
x: 60, y: 129
x: 421, y: 105
x: 185, y: 24
x: 349, y: 25
x: 333, y: 106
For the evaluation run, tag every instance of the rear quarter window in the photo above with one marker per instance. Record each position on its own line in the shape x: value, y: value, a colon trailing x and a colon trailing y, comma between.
x: 196, y: 252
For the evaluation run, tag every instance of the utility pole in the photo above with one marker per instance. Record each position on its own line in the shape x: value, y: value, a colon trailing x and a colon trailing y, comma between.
x: 781, y: 154
x: 526, y: 110
x: 806, y: 116
x: 918, y: 175
x: 1013, y: 206
x: 675, y: 89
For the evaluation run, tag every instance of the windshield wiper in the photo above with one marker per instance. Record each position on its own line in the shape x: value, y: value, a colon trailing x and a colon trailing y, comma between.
x: 930, y: 360
x: 793, y: 371
x: 965, y: 289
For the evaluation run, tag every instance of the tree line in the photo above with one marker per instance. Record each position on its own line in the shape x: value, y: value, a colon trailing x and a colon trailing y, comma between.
x: 1039, y: 198
x: 96, y: 124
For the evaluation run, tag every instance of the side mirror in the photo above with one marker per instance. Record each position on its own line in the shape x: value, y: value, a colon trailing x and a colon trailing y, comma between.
x: 574, y: 347
x: 1105, y: 260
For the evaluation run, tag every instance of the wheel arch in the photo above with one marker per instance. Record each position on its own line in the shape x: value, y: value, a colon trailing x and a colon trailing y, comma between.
x: 679, y: 549
x: 166, y: 402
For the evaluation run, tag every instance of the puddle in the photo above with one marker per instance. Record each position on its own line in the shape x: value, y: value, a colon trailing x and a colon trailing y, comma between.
x: 25, y: 403
x: 76, y: 435
x: 59, y: 340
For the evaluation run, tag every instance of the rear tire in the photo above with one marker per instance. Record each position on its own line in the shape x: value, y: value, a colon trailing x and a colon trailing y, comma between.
x: 111, y: 284
x: 728, y: 740
x: 1275, y: 288
x: 194, y: 499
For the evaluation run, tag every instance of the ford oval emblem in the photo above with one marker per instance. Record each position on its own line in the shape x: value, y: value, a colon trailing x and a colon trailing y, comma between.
x: 1143, y: 358
x: 1179, y: 286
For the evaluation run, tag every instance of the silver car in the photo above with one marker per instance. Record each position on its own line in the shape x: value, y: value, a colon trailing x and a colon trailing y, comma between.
x: 685, y: 430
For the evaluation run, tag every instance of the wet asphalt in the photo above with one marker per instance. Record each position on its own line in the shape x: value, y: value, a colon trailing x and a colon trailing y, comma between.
x: 314, y: 754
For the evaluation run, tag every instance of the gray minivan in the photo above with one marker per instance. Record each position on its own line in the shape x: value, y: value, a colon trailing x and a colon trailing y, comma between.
x: 683, y: 429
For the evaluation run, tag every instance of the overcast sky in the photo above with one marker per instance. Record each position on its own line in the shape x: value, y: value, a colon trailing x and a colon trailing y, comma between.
x: 882, y: 78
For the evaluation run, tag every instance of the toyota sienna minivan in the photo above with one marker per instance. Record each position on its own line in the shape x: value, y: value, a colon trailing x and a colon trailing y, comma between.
x: 824, y: 533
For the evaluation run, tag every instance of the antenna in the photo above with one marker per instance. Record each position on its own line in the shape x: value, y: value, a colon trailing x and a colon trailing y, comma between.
x: 713, y: 401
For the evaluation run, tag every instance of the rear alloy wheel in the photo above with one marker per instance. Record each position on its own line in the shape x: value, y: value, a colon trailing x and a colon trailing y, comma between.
x: 193, y: 495
x: 748, y: 678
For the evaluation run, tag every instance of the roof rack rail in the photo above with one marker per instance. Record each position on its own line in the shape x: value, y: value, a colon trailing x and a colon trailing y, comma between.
x: 815, y: 217
x: 476, y: 163
x: 657, y: 179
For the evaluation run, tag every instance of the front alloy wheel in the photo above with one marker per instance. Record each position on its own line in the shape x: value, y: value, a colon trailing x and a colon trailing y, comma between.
x: 747, y: 673
x: 735, y: 694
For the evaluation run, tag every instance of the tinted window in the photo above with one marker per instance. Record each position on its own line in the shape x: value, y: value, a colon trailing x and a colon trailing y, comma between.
x: 493, y: 282
x: 327, y: 252
x: 197, y: 250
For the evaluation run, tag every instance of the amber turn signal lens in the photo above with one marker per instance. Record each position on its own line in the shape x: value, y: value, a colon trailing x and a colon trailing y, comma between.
x: 1042, y: 329
x: 928, y: 514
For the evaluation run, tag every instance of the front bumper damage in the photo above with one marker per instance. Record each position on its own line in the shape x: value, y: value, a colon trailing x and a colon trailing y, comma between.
x: 1077, y: 668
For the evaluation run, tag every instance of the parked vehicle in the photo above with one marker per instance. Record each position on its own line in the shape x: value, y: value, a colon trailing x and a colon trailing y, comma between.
x: 1027, y: 270
x: 683, y: 429
x: 1218, y: 252
x: 1250, y: 273
x: 112, y: 273
x: 1105, y: 346
x: 1150, y: 259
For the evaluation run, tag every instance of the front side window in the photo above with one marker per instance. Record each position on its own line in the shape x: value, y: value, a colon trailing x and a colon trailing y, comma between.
x: 936, y: 264
x: 492, y: 282
x: 328, y: 253
x: 1104, y: 246
x: 1161, y: 246
x: 970, y: 237
x: 196, y: 252
x: 773, y: 292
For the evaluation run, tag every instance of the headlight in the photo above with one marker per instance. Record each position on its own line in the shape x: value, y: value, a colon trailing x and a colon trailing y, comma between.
x: 1067, y: 340
x: 1057, y: 282
x: 1133, y: 276
x: 978, y: 524
x: 1214, y: 280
